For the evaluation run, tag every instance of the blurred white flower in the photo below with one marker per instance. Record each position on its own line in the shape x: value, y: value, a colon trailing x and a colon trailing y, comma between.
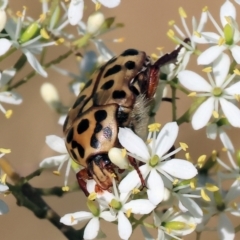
x: 57, y: 144
x: 76, y: 7
x: 227, y: 38
x: 93, y: 226
x: 220, y: 205
x: 120, y: 207
x: 156, y: 159
x: 215, y: 91
x: 8, y: 96
x: 173, y: 224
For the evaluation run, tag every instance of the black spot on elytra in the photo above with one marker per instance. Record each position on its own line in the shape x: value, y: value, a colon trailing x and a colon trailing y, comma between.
x: 113, y: 70
x: 70, y: 136
x: 88, y: 83
x: 134, y: 90
x: 98, y: 128
x: 79, y: 148
x: 130, y: 65
x: 118, y: 94
x: 78, y: 101
x: 107, y: 133
x: 107, y: 85
x: 121, y: 117
x: 83, y: 126
x: 94, y: 143
x: 65, y: 123
x: 100, y: 115
x: 130, y: 52
x: 73, y: 154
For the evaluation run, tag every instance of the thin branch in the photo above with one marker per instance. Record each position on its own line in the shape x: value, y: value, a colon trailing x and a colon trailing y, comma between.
x: 33, y: 73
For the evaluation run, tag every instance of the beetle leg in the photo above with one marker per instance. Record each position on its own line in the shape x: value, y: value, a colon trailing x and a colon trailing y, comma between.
x: 155, y: 69
x: 135, y: 165
x: 82, y: 176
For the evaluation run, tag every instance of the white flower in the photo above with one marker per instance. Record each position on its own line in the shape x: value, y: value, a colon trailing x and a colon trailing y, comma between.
x: 8, y: 96
x: 172, y: 224
x: 156, y: 158
x: 220, y: 205
x: 57, y: 144
x: 218, y: 128
x: 215, y: 91
x: 227, y: 38
x: 26, y: 41
x: 92, y: 228
x: 120, y: 207
x: 75, y: 11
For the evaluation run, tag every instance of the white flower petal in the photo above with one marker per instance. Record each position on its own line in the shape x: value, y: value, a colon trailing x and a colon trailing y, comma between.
x: 193, y: 81
x: 34, y: 63
x: 73, y: 218
x: 225, y: 228
x: 231, y: 112
x: 220, y: 69
x: 132, y: 180
x: 75, y: 11
x: 140, y: 206
x: 92, y: 229
x: 56, y: 143
x: 146, y: 234
x: 233, y: 89
x: 210, y: 37
x: 233, y: 192
x: 226, y: 141
x: 235, y: 52
x: 192, y: 207
x: 124, y: 226
x: 10, y: 97
x: 166, y: 138
x: 62, y: 119
x: 3, y: 188
x: 3, y: 207
x: 155, y: 186
x: 211, y: 131
x: 3, y: 19
x: 209, y: 55
x: 108, y: 216
x: 133, y: 143
x: 203, y: 114
x: 227, y: 10
x: 53, y: 161
x: 203, y: 21
x: 110, y: 3
x: 179, y: 168
x: 237, y: 1
x: 5, y: 45
x: 7, y: 75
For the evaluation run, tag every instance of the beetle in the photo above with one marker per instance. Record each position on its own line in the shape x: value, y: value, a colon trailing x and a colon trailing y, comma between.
x: 117, y: 95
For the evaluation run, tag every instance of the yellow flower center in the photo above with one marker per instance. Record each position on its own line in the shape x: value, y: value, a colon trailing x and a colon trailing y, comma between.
x: 217, y: 92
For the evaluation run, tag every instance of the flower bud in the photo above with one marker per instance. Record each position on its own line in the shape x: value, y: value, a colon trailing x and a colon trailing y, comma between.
x: 238, y: 157
x: 117, y: 158
x: 50, y: 95
x: 228, y: 34
x: 93, y: 208
x: 94, y: 22
x: 222, y: 122
x: 3, y: 19
x: 55, y: 17
x: 29, y: 32
x: 219, y: 200
x: 175, y: 225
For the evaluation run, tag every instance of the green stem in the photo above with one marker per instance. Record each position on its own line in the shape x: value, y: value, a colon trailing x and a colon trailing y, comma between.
x: 33, y: 73
x: 237, y: 229
x: 140, y: 221
x: 8, y: 53
x: 174, y: 107
x: 187, y: 115
x: 177, y: 86
x: 44, y: 51
x: 198, y: 235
